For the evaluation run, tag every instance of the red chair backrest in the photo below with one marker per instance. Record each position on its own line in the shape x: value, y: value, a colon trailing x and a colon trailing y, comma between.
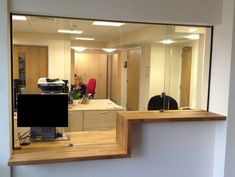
x: 91, y: 86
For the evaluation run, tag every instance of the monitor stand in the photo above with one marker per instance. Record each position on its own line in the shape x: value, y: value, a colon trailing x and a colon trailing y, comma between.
x: 43, y: 133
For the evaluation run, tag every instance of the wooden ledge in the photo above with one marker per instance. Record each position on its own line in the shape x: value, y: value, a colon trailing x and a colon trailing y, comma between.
x: 95, y: 145
x: 126, y: 118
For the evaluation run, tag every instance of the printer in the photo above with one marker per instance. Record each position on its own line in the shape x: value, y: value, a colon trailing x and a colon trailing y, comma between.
x: 48, y: 85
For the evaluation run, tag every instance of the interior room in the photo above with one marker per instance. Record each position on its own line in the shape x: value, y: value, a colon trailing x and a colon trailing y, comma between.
x: 129, y: 62
x: 184, y: 142
x: 159, y: 50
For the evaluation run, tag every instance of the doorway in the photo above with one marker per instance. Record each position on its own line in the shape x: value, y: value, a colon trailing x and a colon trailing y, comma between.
x: 133, y: 77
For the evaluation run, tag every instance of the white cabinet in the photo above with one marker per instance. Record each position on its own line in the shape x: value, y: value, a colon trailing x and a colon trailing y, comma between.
x: 99, y: 120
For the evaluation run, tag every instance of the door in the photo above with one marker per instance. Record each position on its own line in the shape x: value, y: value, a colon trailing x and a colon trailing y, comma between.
x: 92, y: 65
x: 133, y: 76
x: 185, y: 76
x: 29, y: 64
x: 115, y: 79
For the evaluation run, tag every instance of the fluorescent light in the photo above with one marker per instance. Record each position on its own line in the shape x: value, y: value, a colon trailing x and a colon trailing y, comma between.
x: 85, y: 38
x: 19, y: 17
x: 167, y: 41
x: 69, y: 31
x: 103, y: 23
x: 193, y: 36
x: 79, y: 49
x: 109, y: 49
x: 192, y: 30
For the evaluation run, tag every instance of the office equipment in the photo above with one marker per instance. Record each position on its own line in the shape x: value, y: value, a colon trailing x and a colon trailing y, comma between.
x: 162, y: 102
x: 48, y: 85
x: 42, y: 112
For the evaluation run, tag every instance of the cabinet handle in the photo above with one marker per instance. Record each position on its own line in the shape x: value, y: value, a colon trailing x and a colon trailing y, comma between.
x: 104, y: 112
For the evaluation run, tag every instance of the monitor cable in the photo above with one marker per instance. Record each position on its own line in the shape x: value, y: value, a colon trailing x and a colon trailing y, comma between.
x: 24, y: 139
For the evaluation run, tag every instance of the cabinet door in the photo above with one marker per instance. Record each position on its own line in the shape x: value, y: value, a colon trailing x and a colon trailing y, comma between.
x: 99, y: 120
x: 75, y: 121
x: 29, y: 64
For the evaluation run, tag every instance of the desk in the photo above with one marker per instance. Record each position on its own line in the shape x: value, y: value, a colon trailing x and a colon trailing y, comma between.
x: 96, y: 105
x: 96, y: 115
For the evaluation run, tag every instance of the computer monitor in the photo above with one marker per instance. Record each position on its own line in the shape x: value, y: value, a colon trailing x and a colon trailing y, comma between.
x: 42, y: 110
x: 43, y: 113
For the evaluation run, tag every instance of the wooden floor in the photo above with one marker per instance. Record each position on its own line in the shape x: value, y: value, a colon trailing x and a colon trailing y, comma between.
x: 94, y: 145
x: 86, y: 146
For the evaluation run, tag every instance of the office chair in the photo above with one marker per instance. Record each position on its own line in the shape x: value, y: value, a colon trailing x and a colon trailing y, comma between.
x: 90, y: 87
x: 163, y: 102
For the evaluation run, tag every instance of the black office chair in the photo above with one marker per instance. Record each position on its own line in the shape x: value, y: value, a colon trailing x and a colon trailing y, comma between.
x: 162, y: 102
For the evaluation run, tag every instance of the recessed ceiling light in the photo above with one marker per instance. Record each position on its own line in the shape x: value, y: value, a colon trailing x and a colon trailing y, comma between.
x: 79, y: 49
x: 192, y: 30
x: 19, y: 17
x: 69, y: 31
x: 167, y: 41
x: 193, y: 36
x: 85, y: 38
x: 109, y: 49
x: 104, y: 23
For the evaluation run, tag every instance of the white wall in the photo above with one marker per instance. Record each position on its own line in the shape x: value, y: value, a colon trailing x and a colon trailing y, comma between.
x: 5, y: 90
x: 230, y: 144
x: 59, y: 56
x: 206, y: 68
x: 180, y: 149
x: 144, y: 76
x: 175, y: 74
x: 219, y: 88
x: 157, y: 69
x: 177, y: 11
x: 200, y: 71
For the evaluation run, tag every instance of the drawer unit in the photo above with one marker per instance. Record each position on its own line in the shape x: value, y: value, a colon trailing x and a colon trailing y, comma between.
x: 99, y: 120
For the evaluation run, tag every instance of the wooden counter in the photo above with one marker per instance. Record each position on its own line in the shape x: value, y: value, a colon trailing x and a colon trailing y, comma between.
x: 101, y: 144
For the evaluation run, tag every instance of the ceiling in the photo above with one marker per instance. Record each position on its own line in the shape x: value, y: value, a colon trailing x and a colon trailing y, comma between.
x: 48, y: 25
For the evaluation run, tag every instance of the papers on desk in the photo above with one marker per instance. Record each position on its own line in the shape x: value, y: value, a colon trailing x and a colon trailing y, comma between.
x: 113, y: 106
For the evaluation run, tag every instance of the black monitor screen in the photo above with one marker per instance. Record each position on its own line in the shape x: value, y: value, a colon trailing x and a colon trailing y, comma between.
x: 42, y: 110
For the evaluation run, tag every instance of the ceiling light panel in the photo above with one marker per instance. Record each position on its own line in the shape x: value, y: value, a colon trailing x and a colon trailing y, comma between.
x: 85, y: 38
x: 19, y: 17
x: 191, y: 30
x: 104, y: 23
x: 193, y: 36
x: 79, y: 49
x: 109, y: 50
x: 167, y: 41
x: 69, y: 31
